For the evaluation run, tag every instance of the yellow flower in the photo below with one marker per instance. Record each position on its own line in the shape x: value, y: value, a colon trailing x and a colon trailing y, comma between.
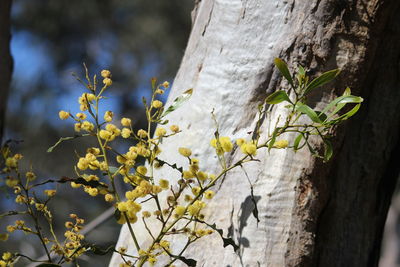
x: 63, y: 115
x: 179, y: 210
x: 174, y: 128
x: 20, y: 199
x: 240, y: 141
x: 93, y: 192
x: 195, y: 208
x: 126, y: 122
x: 77, y: 127
x: 281, y: 143
x: 196, y: 190
x: 126, y: 133
x: 6, y: 256
x: 224, y: 143
x: 164, y: 184
x: 152, y: 260
x: 75, y: 185
x: 160, y: 132
x: 141, y: 169
x: 107, y: 82
x: 249, y: 149
x: 11, y: 182
x: 130, y: 195
x: 142, y: 133
x: 165, y: 84
x: 209, y: 194
x: 93, y: 150
x: 108, y: 116
x: 146, y: 214
x: 186, y: 152
x: 122, y: 206
x: 11, y: 162
x: 188, y: 198
x: 87, y: 126
x: 81, y: 116
x: 82, y: 164
x: 105, y: 73
x: 202, y: 176
x: 157, y: 104
x: 159, y: 91
x: 187, y: 174
x: 156, y: 189
x: 50, y: 193
x: 104, y: 134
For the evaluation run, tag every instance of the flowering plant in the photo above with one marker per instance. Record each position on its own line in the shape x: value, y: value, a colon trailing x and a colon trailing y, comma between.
x: 178, y: 207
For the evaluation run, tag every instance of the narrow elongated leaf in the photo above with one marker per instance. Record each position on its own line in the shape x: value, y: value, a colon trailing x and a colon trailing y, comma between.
x: 98, y: 250
x: 282, y: 67
x: 344, y: 99
x: 273, y: 138
x: 178, y: 102
x: 62, y: 139
x: 321, y: 80
x: 309, y: 112
x: 297, y: 142
x: 277, y: 97
x: 348, y: 114
x: 339, y: 106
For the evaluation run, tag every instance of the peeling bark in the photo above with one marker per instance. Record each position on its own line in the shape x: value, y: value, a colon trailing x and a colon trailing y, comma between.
x: 6, y: 62
x: 312, y: 214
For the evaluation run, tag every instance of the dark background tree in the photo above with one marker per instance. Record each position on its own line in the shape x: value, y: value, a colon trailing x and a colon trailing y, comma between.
x: 6, y: 60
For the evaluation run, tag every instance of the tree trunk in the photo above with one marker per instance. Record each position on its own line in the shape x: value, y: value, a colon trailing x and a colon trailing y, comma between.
x: 6, y: 62
x: 312, y: 214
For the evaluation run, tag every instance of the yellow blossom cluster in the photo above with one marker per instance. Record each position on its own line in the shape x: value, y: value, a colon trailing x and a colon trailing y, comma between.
x: 89, y: 161
x: 281, y: 143
x: 6, y: 259
x: 223, y: 144
x: 249, y: 148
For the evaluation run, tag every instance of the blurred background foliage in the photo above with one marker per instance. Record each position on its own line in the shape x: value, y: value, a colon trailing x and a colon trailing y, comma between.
x: 51, y: 39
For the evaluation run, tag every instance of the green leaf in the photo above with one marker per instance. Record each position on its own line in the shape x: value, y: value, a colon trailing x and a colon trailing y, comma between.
x: 321, y: 116
x: 98, y: 250
x: 348, y: 114
x: 339, y: 106
x: 297, y: 142
x: 178, y: 102
x: 344, y: 99
x: 62, y: 139
x: 273, y: 138
x: 277, y: 97
x: 309, y: 112
x: 321, y: 80
x: 282, y: 67
x: 328, y: 150
x: 301, y: 71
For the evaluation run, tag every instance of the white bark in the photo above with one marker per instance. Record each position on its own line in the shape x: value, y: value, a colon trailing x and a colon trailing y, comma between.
x: 232, y: 45
x: 228, y: 62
